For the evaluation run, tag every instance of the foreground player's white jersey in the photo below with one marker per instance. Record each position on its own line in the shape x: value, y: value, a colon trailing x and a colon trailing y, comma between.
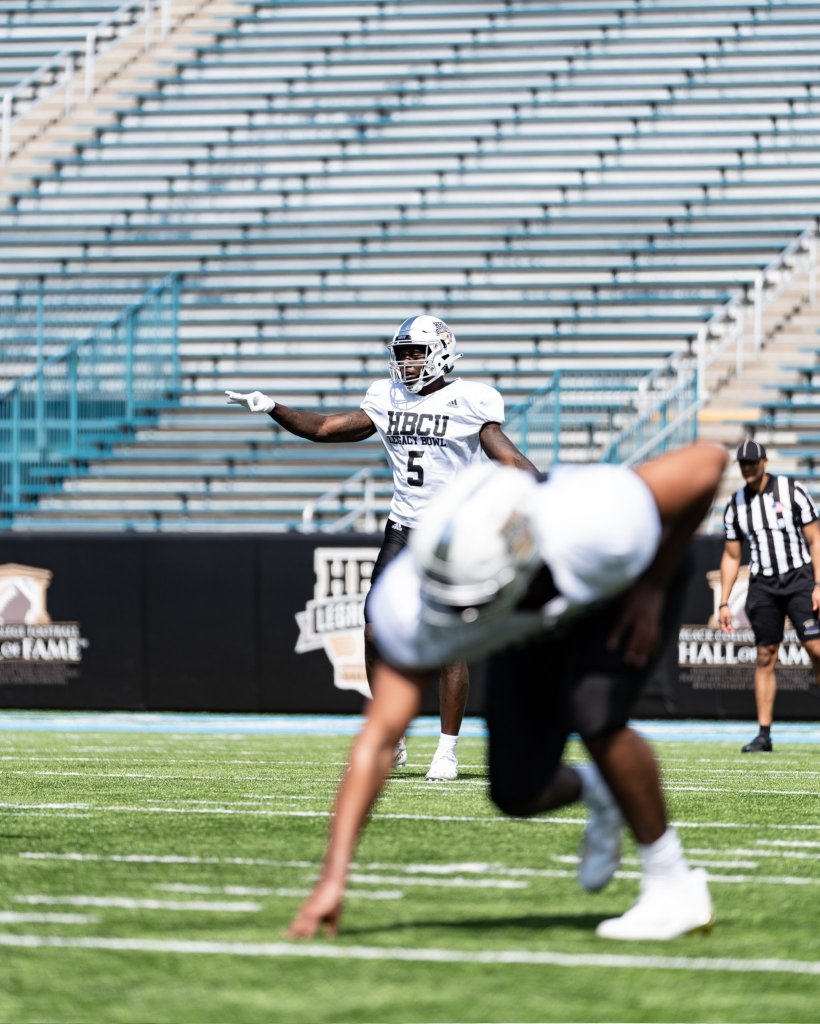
x: 429, y: 438
x: 598, y: 528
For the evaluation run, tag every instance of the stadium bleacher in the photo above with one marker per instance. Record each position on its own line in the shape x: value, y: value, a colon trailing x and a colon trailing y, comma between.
x: 573, y: 186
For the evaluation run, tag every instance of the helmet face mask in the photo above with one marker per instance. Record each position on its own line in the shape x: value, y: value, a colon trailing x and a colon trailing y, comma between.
x: 434, y: 337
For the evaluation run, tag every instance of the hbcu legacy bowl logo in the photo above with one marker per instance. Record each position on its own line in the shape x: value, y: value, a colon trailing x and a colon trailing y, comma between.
x: 334, y: 618
x: 33, y: 649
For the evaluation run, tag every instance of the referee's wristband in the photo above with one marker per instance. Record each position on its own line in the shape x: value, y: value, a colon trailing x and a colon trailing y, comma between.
x: 726, y: 603
x: 817, y: 583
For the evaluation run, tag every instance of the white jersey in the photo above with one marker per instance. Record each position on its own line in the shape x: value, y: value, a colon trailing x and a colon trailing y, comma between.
x: 429, y: 438
x: 598, y: 528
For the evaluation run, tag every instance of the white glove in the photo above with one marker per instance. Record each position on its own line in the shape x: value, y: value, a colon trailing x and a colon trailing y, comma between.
x: 254, y: 401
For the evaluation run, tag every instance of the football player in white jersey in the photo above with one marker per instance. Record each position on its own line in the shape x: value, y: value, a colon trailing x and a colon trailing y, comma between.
x: 431, y: 428
x: 573, y: 585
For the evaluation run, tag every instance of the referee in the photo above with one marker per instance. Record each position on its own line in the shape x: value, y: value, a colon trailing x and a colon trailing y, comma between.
x: 777, y: 516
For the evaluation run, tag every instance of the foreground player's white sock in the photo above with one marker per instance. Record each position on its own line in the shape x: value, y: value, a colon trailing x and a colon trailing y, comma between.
x: 664, y: 858
x: 591, y: 782
x: 446, y: 744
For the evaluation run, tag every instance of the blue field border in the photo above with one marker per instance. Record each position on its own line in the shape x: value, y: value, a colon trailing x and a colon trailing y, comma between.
x: 198, y: 723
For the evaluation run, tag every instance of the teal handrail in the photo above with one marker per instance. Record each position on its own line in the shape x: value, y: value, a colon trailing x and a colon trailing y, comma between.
x: 607, y: 416
x: 672, y: 421
x: 584, y: 408
x: 88, y: 396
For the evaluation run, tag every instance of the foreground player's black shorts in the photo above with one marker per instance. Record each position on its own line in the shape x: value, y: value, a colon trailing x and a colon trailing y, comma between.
x: 395, y: 541
x: 540, y: 693
x: 772, y: 598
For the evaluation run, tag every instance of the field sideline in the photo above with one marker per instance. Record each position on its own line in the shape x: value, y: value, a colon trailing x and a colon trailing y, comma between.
x: 151, y: 863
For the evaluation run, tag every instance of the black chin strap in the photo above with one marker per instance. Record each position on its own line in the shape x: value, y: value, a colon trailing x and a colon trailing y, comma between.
x: 542, y: 589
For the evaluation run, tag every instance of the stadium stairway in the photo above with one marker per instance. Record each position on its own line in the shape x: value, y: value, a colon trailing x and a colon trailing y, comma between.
x: 569, y: 185
x: 776, y: 399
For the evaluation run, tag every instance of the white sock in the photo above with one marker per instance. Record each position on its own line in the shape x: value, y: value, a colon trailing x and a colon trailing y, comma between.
x: 446, y: 744
x: 664, y: 858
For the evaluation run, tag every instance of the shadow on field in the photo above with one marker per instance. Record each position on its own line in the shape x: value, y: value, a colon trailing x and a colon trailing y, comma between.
x: 525, y: 922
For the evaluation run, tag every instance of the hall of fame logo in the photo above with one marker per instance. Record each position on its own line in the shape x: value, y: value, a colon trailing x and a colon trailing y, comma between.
x: 33, y: 648
x: 334, y: 618
x: 711, y: 659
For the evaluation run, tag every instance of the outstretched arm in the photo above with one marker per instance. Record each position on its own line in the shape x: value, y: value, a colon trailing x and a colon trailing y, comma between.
x: 683, y: 484
x: 498, y: 447
x: 314, y: 426
x: 396, y: 701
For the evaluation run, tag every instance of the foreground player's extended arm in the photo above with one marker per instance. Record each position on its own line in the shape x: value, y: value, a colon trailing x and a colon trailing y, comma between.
x: 313, y: 426
x: 396, y: 701
x: 683, y: 483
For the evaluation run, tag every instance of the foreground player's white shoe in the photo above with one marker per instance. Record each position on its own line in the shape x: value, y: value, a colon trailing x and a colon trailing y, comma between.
x: 666, y: 909
x: 601, y: 844
x: 400, y: 754
x: 443, y: 769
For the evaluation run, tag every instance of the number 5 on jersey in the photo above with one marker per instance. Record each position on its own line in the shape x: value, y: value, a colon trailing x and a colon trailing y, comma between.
x: 415, y: 471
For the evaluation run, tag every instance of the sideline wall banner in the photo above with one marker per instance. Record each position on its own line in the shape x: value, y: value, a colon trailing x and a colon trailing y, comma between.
x: 711, y: 674
x: 274, y: 623
x: 71, y: 622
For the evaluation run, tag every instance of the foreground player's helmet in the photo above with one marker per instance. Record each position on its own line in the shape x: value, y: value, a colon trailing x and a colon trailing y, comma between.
x: 439, y: 342
x: 476, y: 549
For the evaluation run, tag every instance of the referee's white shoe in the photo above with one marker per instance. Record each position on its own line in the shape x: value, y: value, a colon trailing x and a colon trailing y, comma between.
x: 601, y: 843
x: 666, y: 909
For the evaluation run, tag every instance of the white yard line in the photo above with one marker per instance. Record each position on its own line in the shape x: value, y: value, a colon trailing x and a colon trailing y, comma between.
x: 797, y: 772
x: 32, y: 917
x: 209, y: 890
x: 400, y: 872
x: 383, y: 816
x: 789, y: 842
x: 356, y: 894
x: 127, y: 903
x: 45, y: 807
x: 326, y: 951
x: 757, y: 852
x: 169, y: 858
x: 438, y: 883
x: 740, y: 790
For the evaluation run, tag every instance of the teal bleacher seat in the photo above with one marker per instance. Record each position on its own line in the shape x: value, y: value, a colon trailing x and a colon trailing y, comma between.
x: 570, y: 185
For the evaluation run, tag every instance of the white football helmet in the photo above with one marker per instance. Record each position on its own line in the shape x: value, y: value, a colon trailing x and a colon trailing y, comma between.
x: 440, y: 343
x: 476, y: 549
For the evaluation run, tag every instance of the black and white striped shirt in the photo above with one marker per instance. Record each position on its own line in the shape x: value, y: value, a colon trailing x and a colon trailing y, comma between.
x: 772, y: 521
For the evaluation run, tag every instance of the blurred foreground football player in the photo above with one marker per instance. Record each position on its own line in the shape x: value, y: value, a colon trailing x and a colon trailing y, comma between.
x: 572, y: 585
x: 431, y: 428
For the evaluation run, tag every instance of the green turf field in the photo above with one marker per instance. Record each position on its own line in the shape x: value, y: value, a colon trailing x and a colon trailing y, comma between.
x: 150, y: 877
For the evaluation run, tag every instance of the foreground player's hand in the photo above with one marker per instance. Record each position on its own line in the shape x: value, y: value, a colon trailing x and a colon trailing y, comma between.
x: 639, y: 627
x: 322, y: 908
x: 254, y: 401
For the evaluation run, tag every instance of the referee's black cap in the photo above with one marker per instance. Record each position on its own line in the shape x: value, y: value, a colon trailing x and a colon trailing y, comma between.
x: 750, y: 451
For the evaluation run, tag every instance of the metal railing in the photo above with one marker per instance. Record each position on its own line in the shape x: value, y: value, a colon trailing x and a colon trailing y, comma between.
x: 89, y: 396
x: 40, y: 316
x: 672, y: 418
x: 577, y: 408
x: 356, y: 494
x: 60, y: 71
x: 729, y: 330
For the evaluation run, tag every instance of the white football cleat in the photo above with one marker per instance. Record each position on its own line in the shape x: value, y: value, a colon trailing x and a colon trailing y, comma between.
x: 601, y: 843
x: 666, y: 909
x: 400, y: 754
x: 443, y: 769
